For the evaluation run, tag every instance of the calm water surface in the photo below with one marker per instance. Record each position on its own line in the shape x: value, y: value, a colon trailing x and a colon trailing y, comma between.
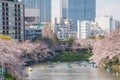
x: 61, y: 71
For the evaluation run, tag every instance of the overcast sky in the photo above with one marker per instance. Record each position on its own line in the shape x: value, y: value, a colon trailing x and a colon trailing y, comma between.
x: 103, y: 7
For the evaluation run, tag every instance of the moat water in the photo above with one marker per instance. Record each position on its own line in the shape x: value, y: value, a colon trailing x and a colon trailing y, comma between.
x: 66, y: 71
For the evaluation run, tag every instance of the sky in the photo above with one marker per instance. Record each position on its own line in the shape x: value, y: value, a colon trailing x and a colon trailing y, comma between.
x: 103, y: 8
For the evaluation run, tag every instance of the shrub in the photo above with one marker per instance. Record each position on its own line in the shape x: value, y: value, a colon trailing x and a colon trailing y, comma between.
x: 8, y: 76
x: 100, y: 36
x: 70, y: 41
x: 71, y: 56
x: 5, y: 37
x: 92, y: 37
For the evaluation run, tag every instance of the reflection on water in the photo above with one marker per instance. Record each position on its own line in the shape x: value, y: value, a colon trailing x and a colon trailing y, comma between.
x: 65, y: 71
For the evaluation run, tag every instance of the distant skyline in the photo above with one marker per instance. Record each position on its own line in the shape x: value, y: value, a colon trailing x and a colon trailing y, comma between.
x: 103, y: 8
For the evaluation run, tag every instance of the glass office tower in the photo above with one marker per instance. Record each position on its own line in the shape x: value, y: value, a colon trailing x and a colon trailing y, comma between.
x: 31, y: 4
x: 78, y: 10
x: 32, y: 11
x: 64, y: 8
x: 45, y: 11
x: 43, y: 5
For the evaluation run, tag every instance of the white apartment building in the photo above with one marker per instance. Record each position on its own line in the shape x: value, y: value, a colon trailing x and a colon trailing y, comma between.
x: 107, y: 23
x: 64, y: 30
x: 86, y: 28
x: 83, y: 29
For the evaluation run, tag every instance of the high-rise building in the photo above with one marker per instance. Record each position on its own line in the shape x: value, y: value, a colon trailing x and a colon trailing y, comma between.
x: 45, y: 11
x: 64, y: 8
x: 31, y: 4
x: 84, y: 29
x: 78, y: 10
x: 40, y: 9
x: 106, y: 23
x: 88, y: 29
x: 32, y: 11
x: 12, y: 18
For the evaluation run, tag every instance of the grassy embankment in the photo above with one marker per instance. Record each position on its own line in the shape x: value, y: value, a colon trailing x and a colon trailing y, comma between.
x: 71, y: 56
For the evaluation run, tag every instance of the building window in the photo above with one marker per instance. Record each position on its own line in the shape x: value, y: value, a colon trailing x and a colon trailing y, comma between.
x: 6, y: 9
x: 3, y: 27
x: 3, y: 8
x: 7, y: 32
x: 7, y: 27
x: 15, y: 5
x: 3, y: 13
x: 15, y: 23
x: 19, y: 23
x: 19, y: 19
x: 15, y: 32
x: 15, y: 19
x: 3, y: 4
x: 7, y: 23
x: 3, y: 32
x: 7, y: 18
x: 3, y: 22
x: 18, y: 6
x: 18, y: 10
x: 7, y: 14
x: 19, y: 32
x: 15, y: 37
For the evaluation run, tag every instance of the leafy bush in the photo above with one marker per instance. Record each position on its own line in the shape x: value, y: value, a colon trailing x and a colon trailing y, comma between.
x: 92, y: 37
x: 71, y: 56
x: 101, y: 36
x: 5, y: 37
x: 68, y: 41
x: 8, y: 76
x: 47, y: 40
x: 37, y: 39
